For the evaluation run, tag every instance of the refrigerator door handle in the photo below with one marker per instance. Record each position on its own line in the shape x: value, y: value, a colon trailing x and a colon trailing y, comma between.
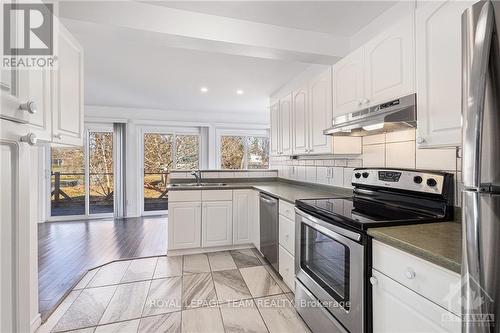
x: 474, y: 108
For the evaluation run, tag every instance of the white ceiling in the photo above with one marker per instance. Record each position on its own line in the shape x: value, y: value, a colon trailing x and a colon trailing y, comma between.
x: 334, y: 17
x: 123, y: 69
x: 138, y: 55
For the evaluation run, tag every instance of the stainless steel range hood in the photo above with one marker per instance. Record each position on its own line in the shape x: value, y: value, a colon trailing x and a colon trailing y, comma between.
x: 391, y: 116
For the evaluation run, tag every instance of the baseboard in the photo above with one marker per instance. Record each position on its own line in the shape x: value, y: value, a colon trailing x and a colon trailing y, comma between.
x: 181, y: 252
x: 35, y: 323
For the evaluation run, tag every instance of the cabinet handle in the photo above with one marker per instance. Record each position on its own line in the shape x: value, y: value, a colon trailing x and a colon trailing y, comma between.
x: 287, y: 236
x: 410, y: 274
x: 420, y: 140
x: 373, y: 280
x: 29, y: 106
x: 58, y: 136
x: 30, y: 138
x: 360, y: 103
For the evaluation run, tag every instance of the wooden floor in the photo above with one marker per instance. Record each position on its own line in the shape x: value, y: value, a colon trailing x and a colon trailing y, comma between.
x: 66, y: 250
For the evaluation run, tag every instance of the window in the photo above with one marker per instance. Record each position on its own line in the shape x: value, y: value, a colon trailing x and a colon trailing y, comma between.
x: 244, y: 152
x: 82, y: 178
x: 187, y: 152
x: 164, y: 152
x: 67, y: 181
x: 101, y: 180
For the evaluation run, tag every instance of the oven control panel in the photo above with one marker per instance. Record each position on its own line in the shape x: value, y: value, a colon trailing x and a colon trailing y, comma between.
x: 410, y: 180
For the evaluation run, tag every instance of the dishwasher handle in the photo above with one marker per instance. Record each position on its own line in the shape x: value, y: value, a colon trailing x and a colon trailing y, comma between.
x: 269, y: 200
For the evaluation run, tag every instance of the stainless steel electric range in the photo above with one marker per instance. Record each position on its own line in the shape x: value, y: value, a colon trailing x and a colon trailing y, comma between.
x: 333, y: 251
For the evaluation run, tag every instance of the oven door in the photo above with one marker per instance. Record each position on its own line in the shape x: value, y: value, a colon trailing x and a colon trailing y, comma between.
x: 329, y: 262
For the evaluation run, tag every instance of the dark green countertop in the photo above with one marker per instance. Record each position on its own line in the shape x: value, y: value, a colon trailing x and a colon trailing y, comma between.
x: 439, y: 243
x: 284, y: 190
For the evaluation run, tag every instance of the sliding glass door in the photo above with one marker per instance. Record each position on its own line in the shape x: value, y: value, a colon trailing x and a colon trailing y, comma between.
x: 163, y: 152
x: 82, y: 178
x: 100, y: 172
x: 158, y: 160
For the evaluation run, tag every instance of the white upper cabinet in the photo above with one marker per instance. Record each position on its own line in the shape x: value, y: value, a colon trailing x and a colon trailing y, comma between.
x: 438, y: 63
x: 320, y: 113
x: 275, y: 133
x: 300, y: 121
x: 382, y: 69
x: 390, y: 63
x: 35, y: 89
x: 67, y: 117
x: 285, y: 121
x: 348, y: 83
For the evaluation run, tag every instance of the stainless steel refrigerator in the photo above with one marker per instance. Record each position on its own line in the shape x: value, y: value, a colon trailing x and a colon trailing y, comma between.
x: 481, y: 168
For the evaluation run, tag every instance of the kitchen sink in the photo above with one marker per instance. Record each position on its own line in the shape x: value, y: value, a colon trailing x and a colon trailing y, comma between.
x: 199, y: 185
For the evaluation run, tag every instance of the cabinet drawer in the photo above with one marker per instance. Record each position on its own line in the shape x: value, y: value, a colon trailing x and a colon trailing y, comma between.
x: 180, y: 196
x: 217, y: 195
x: 286, y: 209
x: 287, y: 234
x: 399, y: 309
x: 286, y: 268
x: 437, y: 284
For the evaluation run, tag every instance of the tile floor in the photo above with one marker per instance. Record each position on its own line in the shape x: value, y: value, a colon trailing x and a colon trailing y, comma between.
x: 230, y: 291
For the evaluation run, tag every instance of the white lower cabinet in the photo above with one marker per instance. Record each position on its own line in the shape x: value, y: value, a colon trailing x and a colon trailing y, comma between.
x: 217, y: 223
x: 286, y: 267
x: 411, y: 294
x: 255, y: 206
x: 397, y: 309
x: 184, y: 225
x: 243, y: 216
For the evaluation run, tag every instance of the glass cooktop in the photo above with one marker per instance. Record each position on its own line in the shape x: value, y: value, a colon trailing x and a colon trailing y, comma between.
x: 362, y: 213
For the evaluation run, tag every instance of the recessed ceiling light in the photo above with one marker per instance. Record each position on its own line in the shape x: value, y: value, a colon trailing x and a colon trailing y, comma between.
x: 239, y: 92
x: 203, y: 89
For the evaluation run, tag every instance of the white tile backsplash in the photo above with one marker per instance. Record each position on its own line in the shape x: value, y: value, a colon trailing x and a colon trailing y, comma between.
x: 399, y: 136
x: 374, y: 139
x: 337, y: 176
x: 400, y: 155
x: 437, y: 159
x: 374, y: 155
x: 396, y: 150
x: 348, y: 177
x: 311, y: 174
x: 321, y: 175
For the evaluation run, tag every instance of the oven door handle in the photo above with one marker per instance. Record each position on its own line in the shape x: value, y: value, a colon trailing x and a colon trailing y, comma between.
x: 331, y: 229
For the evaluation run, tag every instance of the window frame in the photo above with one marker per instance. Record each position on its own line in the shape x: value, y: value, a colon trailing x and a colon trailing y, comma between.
x: 242, y: 133
x: 174, y: 131
x: 91, y: 127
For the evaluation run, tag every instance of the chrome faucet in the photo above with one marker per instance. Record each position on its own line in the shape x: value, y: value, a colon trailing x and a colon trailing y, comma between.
x: 197, y: 175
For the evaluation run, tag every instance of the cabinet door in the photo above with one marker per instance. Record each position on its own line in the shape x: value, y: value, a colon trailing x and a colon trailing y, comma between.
x: 320, y: 113
x: 243, y: 216
x: 300, y: 122
x: 67, y: 125
x: 286, y: 267
x: 275, y: 133
x: 439, y: 72
x: 217, y: 223
x: 286, y: 125
x: 398, y: 309
x: 184, y: 225
x: 348, y: 85
x: 390, y: 63
x: 35, y: 87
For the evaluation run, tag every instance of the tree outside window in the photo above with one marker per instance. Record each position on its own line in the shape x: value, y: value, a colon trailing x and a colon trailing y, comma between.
x: 244, y: 152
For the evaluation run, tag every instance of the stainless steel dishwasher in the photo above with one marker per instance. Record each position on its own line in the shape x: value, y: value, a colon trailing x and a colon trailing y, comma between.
x: 269, y: 229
